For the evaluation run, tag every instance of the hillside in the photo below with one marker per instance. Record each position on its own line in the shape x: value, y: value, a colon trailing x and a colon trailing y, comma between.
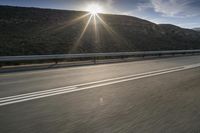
x: 196, y: 29
x: 33, y: 31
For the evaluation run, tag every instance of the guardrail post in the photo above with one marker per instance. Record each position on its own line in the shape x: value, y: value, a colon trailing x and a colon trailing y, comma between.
x: 56, y: 61
x: 193, y: 53
x: 122, y: 57
x: 95, y: 60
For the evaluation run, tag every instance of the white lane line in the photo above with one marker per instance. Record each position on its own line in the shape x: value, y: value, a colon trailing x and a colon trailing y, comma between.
x: 36, y: 95
x: 84, y: 84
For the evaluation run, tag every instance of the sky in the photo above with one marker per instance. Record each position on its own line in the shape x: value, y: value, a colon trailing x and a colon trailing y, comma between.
x: 183, y: 13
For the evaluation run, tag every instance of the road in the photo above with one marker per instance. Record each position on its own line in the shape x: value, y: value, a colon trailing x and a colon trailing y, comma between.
x: 152, y: 96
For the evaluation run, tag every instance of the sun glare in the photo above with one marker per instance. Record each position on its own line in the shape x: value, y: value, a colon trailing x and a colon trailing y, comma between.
x: 94, y: 20
x: 94, y: 9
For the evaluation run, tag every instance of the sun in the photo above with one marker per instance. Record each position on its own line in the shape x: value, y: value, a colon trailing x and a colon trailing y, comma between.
x: 94, y: 9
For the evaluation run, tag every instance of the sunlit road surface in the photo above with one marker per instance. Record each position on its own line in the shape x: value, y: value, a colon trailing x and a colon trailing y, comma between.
x: 153, y: 96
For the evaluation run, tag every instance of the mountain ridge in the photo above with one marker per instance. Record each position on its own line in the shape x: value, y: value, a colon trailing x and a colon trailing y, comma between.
x: 33, y: 31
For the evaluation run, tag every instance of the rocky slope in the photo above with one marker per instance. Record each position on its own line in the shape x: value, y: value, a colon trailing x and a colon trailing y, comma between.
x: 33, y: 31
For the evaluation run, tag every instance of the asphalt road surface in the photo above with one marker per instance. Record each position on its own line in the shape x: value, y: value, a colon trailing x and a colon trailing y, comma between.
x: 152, y: 96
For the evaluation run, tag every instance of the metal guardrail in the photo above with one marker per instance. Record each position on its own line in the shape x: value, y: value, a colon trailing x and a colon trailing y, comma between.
x: 94, y: 55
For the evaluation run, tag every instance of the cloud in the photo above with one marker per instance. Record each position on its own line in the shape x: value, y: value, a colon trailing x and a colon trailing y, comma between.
x: 175, y: 8
x: 144, y: 6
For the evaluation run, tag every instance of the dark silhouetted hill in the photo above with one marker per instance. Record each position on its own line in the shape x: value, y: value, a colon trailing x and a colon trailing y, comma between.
x: 197, y: 29
x: 33, y: 31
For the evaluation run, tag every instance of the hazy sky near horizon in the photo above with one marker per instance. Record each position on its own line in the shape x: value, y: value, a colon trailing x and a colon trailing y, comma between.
x: 184, y: 13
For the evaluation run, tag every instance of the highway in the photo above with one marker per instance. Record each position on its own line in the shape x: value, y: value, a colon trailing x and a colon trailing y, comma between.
x: 149, y: 96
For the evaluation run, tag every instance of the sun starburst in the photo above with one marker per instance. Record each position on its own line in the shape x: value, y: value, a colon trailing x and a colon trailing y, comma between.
x: 94, y: 9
